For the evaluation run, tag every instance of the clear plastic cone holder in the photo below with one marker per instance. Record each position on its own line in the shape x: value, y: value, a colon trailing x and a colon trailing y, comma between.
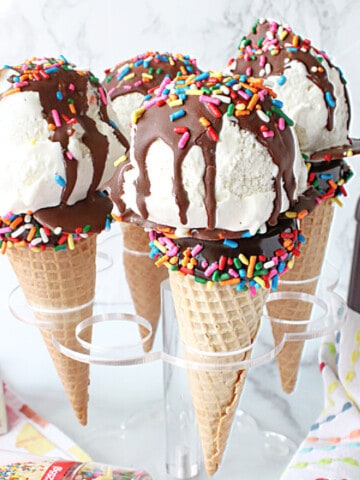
x: 177, y: 449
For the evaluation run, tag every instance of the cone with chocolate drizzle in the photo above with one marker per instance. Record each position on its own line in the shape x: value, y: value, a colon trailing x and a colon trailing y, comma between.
x: 58, y: 147
x: 312, y: 91
x: 213, y: 171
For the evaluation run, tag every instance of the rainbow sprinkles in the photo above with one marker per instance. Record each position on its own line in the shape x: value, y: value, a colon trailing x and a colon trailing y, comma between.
x: 18, y: 230
x: 66, y: 96
x: 223, y: 261
x: 211, y: 255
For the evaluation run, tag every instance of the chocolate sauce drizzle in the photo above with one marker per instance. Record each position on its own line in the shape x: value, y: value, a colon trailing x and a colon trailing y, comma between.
x: 303, y: 52
x: 155, y: 124
x: 65, y: 86
x: 92, y: 138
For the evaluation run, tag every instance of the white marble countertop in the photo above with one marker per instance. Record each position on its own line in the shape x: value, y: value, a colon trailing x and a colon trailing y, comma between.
x: 98, y: 35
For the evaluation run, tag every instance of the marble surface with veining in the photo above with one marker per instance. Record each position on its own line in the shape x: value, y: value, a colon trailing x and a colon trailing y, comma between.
x: 97, y: 34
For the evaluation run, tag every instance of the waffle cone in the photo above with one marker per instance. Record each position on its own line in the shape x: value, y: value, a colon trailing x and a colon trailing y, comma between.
x: 54, y: 281
x: 219, y: 319
x: 143, y: 277
x: 316, y: 228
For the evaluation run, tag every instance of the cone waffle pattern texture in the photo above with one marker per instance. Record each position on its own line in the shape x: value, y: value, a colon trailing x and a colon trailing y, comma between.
x: 59, y: 280
x: 289, y: 357
x: 143, y: 277
x: 316, y: 228
x: 219, y: 319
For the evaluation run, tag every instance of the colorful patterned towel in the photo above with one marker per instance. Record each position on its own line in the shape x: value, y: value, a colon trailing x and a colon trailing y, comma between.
x: 331, y: 451
x: 29, y: 433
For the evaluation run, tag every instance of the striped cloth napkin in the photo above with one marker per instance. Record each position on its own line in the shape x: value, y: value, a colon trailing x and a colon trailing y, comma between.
x: 331, y: 450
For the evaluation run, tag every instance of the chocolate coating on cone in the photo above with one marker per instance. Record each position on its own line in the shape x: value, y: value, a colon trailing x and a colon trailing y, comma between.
x: 341, y: 151
x: 328, y: 170
x: 252, y: 262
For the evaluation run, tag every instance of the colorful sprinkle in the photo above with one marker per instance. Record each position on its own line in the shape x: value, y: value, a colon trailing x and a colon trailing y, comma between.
x: 183, y: 140
x: 120, y: 160
x: 56, y: 117
x: 176, y: 115
x: 60, y: 181
x: 330, y: 99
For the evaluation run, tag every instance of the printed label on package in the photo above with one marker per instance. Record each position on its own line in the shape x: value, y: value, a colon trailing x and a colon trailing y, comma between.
x: 59, y: 469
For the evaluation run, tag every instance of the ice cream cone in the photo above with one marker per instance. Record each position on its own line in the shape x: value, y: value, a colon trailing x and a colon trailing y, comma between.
x: 216, y: 217
x: 67, y: 155
x: 302, y: 278
x: 53, y: 282
x: 143, y: 278
x: 219, y: 319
